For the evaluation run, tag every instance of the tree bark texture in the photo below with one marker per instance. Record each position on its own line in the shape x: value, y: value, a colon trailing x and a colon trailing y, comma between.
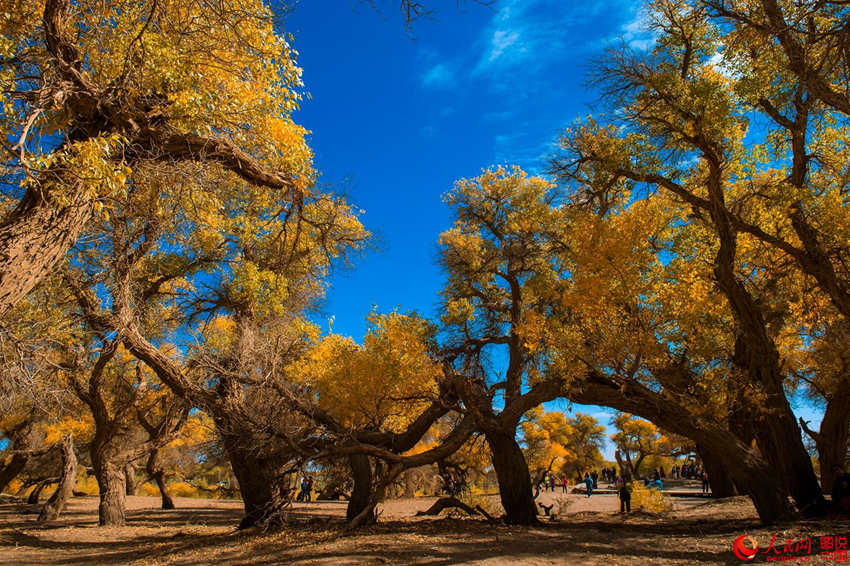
x: 67, y: 481
x: 514, y: 479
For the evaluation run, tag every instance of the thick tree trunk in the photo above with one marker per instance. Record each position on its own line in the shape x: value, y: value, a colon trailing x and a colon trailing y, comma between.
x: 718, y: 478
x: 780, y: 440
x: 636, y: 465
x: 34, y: 237
x: 260, y: 484
x: 67, y: 481
x: 514, y: 480
x: 361, y: 491
x: 755, y: 353
x: 109, y: 472
x: 154, y: 470
x: 831, y: 440
x: 110, y: 481
x: 760, y: 483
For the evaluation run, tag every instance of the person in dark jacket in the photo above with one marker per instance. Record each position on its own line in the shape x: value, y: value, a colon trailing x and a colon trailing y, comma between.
x: 625, y: 496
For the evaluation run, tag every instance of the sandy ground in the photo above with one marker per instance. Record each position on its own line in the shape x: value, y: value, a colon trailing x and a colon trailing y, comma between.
x: 588, y: 532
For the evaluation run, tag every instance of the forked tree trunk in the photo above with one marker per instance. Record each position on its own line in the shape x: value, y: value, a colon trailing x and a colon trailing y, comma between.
x: 718, y: 478
x: 361, y: 491
x: 154, y: 470
x: 33, y: 238
x: 514, y: 480
x: 67, y: 481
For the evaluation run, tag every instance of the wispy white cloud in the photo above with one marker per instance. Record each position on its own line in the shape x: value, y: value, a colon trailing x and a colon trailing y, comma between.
x: 531, y: 34
x: 637, y: 33
x: 524, y: 57
x: 439, y: 76
x: 501, y: 41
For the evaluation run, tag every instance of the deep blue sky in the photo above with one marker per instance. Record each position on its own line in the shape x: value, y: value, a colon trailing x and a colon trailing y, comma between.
x: 397, y: 117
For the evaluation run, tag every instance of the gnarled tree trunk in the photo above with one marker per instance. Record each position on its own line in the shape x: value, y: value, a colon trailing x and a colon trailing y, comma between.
x: 33, y: 238
x: 67, y: 481
x: 514, y: 480
x: 780, y: 441
x: 718, y: 478
x: 361, y: 491
x: 831, y: 439
x: 260, y: 481
x: 110, y: 481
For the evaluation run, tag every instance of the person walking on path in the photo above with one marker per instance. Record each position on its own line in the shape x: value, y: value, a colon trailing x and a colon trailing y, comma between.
x: 705, y: 484
x: 564, y: 482
x: 588, y: 482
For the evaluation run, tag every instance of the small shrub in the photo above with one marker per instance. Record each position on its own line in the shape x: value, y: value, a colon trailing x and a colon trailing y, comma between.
x: 87, y: 484
x: 651, y: 500
x: 183, y: 489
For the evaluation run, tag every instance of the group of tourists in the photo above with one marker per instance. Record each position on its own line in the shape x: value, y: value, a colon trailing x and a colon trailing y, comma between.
x: 687, y: 471
x: 653, y: 481
x: 306, y: 493
x: 613, y: 476
x: 609, y: 474
x: 551, y: 482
